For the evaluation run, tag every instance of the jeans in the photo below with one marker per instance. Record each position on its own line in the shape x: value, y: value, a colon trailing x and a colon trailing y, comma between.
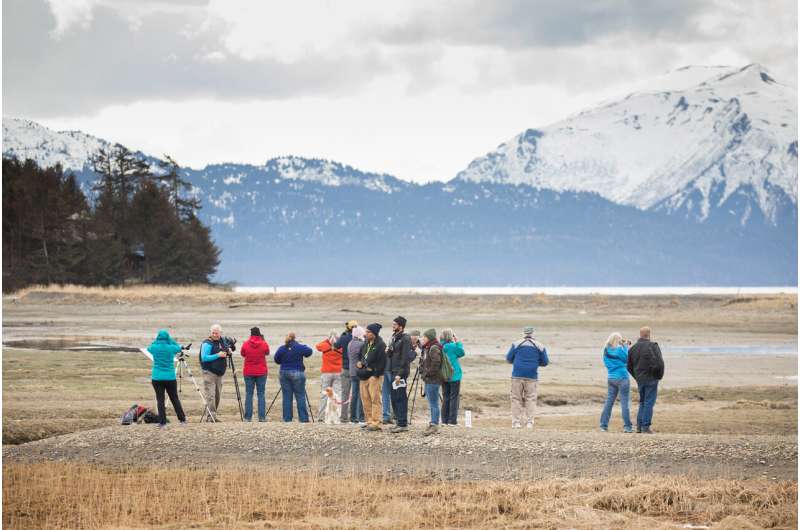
x: 386, y: 396
x: 171, y: 387
x: 260, y: 384
x: 621, y: 388
x: 432, y: 394
x: 293, y: 385
x: 344, y: 380
x: 647, y: 400
x: 451, y: 391
x: 400, y: 406
x: 356, y: 407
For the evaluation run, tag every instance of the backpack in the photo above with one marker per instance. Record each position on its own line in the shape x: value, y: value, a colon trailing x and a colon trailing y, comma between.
x: 134, y: 414
x: 150, y: 417
x: 446, y: 371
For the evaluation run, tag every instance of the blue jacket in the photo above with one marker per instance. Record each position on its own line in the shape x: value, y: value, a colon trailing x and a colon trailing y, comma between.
x: 454, y: 351
x: 164, y: 350
x: 527, y: 357
x: 290, y: 356
x: 616, y: 360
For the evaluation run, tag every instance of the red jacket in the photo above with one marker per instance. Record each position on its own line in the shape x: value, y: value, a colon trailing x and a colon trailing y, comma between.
x: 331, y: 357
x: 255, y: 351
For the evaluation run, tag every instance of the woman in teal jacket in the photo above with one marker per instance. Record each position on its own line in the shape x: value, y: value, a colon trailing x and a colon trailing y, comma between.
x: 615, y: 357
x: 164, y: 350
x: 451, y: 389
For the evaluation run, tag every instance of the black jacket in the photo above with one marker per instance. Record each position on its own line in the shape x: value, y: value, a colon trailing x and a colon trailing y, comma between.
x: 374, y: 356
x: 342, y: 343
x: 399, y: 355
x: 645, y: 362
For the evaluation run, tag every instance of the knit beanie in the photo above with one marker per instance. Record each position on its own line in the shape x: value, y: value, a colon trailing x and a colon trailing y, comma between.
x: 430, y: 334
x: 375, y: 328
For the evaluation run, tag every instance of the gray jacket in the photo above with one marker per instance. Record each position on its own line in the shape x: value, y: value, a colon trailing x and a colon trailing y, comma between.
x: 353, y: 352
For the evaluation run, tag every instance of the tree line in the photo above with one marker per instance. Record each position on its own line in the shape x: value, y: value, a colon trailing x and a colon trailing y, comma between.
x: 137, y: 225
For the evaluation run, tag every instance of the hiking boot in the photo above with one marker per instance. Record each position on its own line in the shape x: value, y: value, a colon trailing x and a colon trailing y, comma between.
x: 432, y: 429
x: 605, y: 429
x: 387, y: 422
x: 628, y: 431
x: 647, y: 430
x: 262, y: 420
x: 638, y: 430
x: 373, y: 428
x: 398, y: 428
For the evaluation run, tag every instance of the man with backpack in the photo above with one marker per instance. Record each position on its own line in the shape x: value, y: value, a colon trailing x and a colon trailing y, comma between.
x: 527, y: 357
x: 399, y: 356
x: 431, y: 371
x: 646, y: 365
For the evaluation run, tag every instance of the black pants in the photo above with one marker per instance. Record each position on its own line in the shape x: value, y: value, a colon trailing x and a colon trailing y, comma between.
x: 450, y: 392
x: 400, y: 406
x: 172, y: 391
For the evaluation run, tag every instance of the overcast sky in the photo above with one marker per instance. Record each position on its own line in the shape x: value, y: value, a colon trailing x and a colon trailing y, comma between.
x: 415, y: 89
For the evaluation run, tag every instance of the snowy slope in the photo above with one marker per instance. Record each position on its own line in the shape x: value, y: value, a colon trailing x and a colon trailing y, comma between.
x: 25, y: 139
x: 699, y: 135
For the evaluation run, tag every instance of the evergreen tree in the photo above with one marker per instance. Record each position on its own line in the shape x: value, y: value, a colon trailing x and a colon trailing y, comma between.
x: 185, y: 206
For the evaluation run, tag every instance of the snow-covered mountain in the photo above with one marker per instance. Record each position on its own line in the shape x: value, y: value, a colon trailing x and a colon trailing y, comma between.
x: 694, y: 139
x: 691, y: 182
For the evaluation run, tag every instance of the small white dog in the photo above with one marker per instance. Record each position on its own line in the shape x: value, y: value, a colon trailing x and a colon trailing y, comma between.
x: 333, y: 407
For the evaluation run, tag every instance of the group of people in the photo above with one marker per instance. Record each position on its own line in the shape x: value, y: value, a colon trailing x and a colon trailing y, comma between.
x: 366, y: 381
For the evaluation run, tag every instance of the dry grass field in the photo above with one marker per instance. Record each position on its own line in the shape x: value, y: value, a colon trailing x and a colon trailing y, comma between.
x: 232, y: 497
x: 731, y: 384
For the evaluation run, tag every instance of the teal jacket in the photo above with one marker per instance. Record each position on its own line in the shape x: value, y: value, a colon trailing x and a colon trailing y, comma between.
x: 164, y: 350
x: 454, y: 351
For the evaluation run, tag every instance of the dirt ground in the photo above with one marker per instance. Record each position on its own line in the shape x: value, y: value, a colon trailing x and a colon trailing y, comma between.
x: 727, y: 407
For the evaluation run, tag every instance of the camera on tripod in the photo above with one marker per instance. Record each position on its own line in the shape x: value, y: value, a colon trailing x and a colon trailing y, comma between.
x: 182, y: 355
x: 228, y: 343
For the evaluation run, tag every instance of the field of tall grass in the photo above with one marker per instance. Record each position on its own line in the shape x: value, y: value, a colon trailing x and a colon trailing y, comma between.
x: 68, y: 495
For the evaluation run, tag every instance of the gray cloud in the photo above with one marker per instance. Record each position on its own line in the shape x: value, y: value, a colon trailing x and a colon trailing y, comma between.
x: 550, y: 23
x: 166, y: 56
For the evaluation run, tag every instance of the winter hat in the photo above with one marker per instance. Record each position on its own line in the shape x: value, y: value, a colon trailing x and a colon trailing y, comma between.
x: 351, y: 324
x: 255, y: 332
x: 401, y: 321
x: 430, y: 334
x: 415, y: 333
x: 528, y: 331
x: 375, y: 328
x: 358, y: 332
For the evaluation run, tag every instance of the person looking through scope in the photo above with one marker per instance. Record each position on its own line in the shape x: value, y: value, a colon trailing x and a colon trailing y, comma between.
x: 164, y: 350
x: 213, y: 353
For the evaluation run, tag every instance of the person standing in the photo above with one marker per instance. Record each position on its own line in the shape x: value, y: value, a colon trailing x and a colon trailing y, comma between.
x: 526, y: 357
x: 330, y: 373
x: 646, y: 365
x: 164, y: 350
x: 293, y: 376
x: 255, y: 351
x: 342, y: 344
x: 371, y: 366
x: 451, y: 390
x: 353, y: 352
x: 213, y: 360
x: 430, y: 371
x: 399, y: 358
x: 615, y: 357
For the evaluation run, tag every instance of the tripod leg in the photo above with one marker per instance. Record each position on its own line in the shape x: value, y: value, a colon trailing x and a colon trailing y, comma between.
x: 236, y: 385
x: 274, y: 399
x: 308, y: 404
x: 207, y: 410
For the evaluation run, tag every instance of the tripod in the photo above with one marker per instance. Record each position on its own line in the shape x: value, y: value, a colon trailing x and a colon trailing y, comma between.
x: 183, y: 365
x: 414, y: 384
x: 235, y: 383
x: 280, y: 391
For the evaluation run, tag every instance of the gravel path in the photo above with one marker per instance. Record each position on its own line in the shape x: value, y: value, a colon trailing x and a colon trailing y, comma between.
x: 454, y: 453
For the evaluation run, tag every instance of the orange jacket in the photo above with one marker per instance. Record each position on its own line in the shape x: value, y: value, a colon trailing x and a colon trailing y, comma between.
x: 331, y: 357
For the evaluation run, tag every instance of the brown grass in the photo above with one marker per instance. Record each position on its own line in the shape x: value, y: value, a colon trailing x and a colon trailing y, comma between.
x: 131, y: 292
x: 85, y: 496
